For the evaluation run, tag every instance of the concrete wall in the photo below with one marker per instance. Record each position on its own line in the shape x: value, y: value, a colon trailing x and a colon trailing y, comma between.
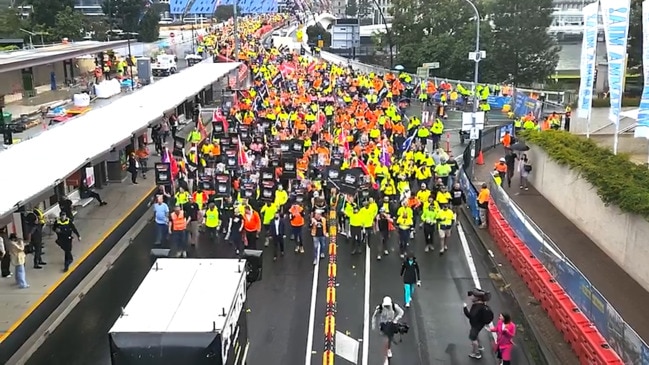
x: 622, y: 236
x: 12, y: 82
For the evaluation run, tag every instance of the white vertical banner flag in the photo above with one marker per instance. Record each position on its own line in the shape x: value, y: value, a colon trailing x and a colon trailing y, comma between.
x: 642, y: 129
x: 588, y: 60
x: 615, y: 14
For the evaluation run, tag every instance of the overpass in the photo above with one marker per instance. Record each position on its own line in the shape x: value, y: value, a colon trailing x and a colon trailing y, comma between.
x: 327, y: 19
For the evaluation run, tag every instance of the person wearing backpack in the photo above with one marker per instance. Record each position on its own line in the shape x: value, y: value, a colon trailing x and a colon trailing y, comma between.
x: 387, y: 316
x: 479, y: 315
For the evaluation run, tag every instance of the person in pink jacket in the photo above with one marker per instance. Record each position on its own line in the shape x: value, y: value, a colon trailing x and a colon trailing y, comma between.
x: 505, y: 329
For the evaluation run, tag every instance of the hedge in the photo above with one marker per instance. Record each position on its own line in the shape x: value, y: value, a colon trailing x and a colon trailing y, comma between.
x: 627, y: 101
x: 618, y: 180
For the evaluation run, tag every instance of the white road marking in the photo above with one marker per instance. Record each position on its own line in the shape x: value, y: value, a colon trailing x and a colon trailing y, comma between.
x: 472, y: 268
x: 314, y: 297
x: 366, y: 310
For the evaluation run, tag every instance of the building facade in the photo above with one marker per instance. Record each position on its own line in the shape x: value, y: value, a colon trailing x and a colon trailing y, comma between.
x: 563, y: 5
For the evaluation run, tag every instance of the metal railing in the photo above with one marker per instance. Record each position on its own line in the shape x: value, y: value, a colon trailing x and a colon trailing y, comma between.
x: 619, y: 334
x: 558, y: 97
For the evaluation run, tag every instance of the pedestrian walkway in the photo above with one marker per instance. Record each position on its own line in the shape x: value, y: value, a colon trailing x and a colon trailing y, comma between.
x: 624, y: 293
x: 95, y: 224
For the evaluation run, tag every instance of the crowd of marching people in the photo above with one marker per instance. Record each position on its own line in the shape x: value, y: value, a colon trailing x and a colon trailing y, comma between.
x: 277, y: 162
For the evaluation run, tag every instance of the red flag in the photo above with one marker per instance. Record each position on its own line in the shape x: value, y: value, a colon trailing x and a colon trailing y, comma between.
x: 363, y: 167
x: 311, y: 67
x: 201, y: 128
x: 242, y: 156
x: 219, y: 117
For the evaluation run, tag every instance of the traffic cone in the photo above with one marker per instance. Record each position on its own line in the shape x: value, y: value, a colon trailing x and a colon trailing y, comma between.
x: 480, y: 159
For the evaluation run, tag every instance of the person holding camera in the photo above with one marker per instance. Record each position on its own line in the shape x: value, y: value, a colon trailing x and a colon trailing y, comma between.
x: 479, y: 315
x: 387, y: 316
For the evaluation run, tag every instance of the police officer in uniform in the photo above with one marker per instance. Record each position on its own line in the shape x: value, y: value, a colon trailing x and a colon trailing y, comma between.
x: 64, y: 229
x: 35, y: 221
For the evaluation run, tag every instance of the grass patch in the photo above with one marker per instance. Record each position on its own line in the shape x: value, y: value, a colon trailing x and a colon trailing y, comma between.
x: 618, y: 181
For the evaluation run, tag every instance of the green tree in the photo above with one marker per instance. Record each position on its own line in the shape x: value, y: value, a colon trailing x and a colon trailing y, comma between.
x: 365, y: 8
x: 10, y: 24
x: 429, y: 38
x: 351, y: 10
x: 224, y: 12
x: 149, y: 27
x: 635, y: 36
x: 42, y: 10
x: 97, y: 27
x: 124, y: 14
x: 68, y: 23
x: 521, y: 49
x: 316, y: 32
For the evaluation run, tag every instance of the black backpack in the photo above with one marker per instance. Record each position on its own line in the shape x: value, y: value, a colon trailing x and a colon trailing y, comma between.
x: 487, y: 315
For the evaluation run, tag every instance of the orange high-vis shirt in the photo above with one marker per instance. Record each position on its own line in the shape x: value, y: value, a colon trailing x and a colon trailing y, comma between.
x: 507, y: 140
x: 252, y: 222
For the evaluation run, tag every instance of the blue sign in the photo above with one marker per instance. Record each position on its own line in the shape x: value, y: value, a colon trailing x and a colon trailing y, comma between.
x: 498, y: 102
x: 622, y: 339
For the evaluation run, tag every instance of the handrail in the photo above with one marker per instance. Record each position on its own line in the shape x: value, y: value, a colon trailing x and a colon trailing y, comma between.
x: 590, y: 301
x: 559, y: 97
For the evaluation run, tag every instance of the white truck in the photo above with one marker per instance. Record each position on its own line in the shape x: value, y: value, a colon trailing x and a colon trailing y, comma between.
x: 164, y: 65
x: 186, y: 311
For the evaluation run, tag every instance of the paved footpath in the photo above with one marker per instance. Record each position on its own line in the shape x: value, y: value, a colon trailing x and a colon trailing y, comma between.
x: 94, y: 223
x: 624, y: 293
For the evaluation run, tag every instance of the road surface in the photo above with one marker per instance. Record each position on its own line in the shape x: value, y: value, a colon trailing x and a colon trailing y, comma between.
x: 279, y: 305
x: 278, y: 308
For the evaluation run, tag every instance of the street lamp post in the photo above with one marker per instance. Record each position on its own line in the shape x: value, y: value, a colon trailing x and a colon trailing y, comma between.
x: 476, y: 57
x: 130, y: 57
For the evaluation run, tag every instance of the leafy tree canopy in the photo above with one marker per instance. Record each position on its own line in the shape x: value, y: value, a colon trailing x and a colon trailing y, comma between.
x: 133, y: 17
x: 68, y: 23
x: 522, y: 51
x: 351, y: 10
x: 365, y: 8
x: 44, y: 11
x: 515, y: 38
x: 124, y: 14
x: 149, y: 27
x: 316, y: 32
x: 224, y: 12
x: 635, y: 35
x: 11, y: 23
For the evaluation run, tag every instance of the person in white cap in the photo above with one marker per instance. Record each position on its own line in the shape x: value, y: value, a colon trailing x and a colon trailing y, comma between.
x: 387, y: 316
x: 501, y: 168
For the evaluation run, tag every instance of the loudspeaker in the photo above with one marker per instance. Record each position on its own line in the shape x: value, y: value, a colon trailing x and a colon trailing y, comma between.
x: 254, y: 264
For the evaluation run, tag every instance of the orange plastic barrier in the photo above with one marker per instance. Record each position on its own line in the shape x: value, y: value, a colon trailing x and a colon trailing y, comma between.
x: 582, y: 336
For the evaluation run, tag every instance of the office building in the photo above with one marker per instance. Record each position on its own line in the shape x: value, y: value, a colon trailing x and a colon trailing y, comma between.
x: 562, y: 5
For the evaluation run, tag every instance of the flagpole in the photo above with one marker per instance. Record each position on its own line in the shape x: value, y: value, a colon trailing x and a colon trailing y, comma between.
x: 616, y: 137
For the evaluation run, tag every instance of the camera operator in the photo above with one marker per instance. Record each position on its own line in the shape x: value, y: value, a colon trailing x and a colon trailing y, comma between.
x: 387, y: 316
x: 479, y: 315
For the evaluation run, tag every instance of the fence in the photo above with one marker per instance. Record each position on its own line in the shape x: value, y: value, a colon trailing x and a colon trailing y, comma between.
x: 553, y: 98
x: 620, y: 336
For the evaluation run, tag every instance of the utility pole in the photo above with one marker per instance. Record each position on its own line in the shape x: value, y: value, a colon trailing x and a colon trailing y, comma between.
x: 476, y: 56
